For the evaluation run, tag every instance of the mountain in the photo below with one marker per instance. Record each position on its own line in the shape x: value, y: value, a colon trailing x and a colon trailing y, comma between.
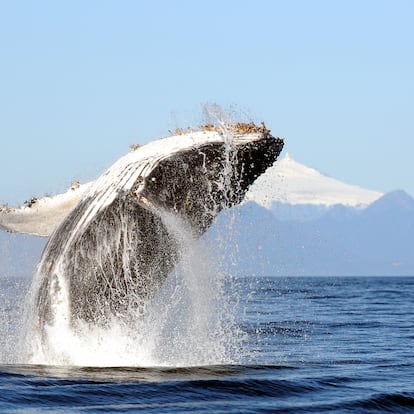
x: 395, y: 201
x: 342, y: 242
x: 289, y: 182
x: 297, y: 221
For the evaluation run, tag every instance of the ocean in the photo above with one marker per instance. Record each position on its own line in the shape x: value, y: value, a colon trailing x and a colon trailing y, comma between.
x: 309, y: 345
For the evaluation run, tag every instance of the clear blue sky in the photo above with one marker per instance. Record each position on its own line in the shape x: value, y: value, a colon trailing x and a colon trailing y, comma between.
x: 82, y: 80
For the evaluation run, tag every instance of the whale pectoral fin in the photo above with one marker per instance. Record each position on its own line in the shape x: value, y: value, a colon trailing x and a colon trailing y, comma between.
x: 40, y: 217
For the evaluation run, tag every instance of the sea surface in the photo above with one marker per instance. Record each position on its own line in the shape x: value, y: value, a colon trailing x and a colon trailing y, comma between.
x: 312, y: 345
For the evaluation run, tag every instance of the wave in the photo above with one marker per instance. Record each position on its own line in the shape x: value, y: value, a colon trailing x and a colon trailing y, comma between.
x: 241, y: 388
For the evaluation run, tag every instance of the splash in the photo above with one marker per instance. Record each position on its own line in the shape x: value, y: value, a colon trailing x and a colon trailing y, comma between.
x: 12, y: 298
x: 190, y: 321
x: 127, y: 279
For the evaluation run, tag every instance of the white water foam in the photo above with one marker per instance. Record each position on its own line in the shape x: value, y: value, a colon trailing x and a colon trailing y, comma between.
x: 189, y: 322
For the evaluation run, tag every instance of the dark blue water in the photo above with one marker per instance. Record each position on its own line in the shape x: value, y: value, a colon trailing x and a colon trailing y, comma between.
x: 314, y: 345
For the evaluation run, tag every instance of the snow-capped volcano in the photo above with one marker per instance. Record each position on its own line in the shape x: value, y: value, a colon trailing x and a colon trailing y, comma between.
x: 290, y: 182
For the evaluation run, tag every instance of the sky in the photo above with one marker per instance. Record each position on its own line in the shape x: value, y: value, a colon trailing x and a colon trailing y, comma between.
x: 80, y: 81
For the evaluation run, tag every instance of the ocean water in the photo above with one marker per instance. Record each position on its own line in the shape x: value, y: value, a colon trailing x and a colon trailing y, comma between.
x: 328, y: 344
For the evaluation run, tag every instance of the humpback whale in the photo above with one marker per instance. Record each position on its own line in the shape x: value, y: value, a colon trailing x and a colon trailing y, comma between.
x: 110, y: 247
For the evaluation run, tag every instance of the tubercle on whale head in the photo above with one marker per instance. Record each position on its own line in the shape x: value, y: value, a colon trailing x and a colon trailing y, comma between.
x: 233, y: 128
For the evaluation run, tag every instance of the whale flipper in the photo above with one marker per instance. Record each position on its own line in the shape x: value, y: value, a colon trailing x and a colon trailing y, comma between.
x: 114, y: 250
x: 40, y: 217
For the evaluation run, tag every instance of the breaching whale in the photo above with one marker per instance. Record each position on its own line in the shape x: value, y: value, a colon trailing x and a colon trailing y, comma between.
x: 112, y: 250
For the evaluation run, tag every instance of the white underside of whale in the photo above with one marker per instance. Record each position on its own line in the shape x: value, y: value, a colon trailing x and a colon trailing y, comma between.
x: 44, y: 215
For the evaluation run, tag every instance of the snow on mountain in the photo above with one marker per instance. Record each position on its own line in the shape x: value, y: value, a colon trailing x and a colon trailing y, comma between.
x: 290, y: 182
